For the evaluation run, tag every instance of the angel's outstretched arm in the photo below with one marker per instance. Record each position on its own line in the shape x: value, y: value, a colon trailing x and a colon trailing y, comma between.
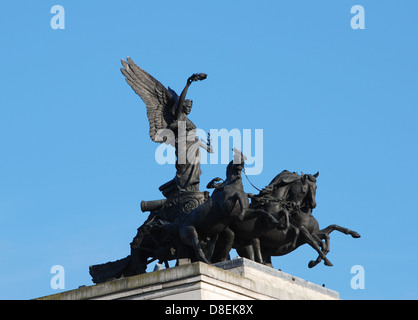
x: 193, y: 77
x: 182, y: 97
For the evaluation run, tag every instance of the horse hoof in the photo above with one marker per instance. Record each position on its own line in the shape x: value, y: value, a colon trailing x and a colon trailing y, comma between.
x: 311, y: 264
x: 355, y: 235
x: 328, y: 263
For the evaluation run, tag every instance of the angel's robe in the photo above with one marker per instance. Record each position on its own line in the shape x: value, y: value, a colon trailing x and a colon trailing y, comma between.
x: 188, y: 170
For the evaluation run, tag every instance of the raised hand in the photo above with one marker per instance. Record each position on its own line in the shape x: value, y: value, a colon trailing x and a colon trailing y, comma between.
x: 196, y: 77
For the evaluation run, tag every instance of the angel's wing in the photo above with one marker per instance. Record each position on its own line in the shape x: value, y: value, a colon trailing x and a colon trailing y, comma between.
x: 159, y: 101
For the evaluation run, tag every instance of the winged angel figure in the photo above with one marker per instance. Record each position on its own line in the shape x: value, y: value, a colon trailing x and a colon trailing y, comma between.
x: 167, y: 115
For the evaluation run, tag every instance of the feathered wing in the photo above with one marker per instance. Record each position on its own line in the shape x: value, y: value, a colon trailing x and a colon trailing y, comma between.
x: 159, y: 101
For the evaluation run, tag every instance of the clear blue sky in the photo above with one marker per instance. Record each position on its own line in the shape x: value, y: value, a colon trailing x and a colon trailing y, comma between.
x: 76, y: 158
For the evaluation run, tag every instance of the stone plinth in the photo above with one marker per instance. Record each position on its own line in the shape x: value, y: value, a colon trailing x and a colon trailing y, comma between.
x: 238, y: 279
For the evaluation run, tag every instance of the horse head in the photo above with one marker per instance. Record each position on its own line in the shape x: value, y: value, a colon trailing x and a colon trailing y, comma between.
x: 309, y: 185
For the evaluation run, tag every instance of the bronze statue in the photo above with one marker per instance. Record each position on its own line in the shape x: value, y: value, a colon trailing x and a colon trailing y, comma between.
x: 191, y: 225
x: 228, y: 203
x: 165, y: 110
x: 296, y: 193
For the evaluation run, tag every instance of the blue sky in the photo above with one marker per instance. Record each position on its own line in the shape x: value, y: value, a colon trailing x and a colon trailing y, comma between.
x: 76, y: 158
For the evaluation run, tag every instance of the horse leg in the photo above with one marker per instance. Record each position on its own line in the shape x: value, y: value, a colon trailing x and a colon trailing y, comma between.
x: 257, y: 250
x: 333, y: 227
x: 324, y: 246
x: 325, y: 249
x: 189, y: 234
x: 228, y: 241
x: 210, y: 247
x: 324, y: 234
x: 218, y: 254
x: 246, y: 251
x: 313, y: 263
x: 267, y: 259
x: 296, y: 236
x: 311, y: 241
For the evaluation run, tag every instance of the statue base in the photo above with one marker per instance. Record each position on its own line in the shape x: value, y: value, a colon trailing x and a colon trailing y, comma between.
x: 238, y: 279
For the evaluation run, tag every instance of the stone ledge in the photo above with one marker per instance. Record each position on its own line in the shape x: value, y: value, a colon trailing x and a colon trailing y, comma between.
x: 235, y: 279
x: 243, y: 266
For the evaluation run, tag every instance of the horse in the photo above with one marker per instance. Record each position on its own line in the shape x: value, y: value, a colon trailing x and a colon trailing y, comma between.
x: 247, y: 232
x: 299, y: 196
x: 228, y: 202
